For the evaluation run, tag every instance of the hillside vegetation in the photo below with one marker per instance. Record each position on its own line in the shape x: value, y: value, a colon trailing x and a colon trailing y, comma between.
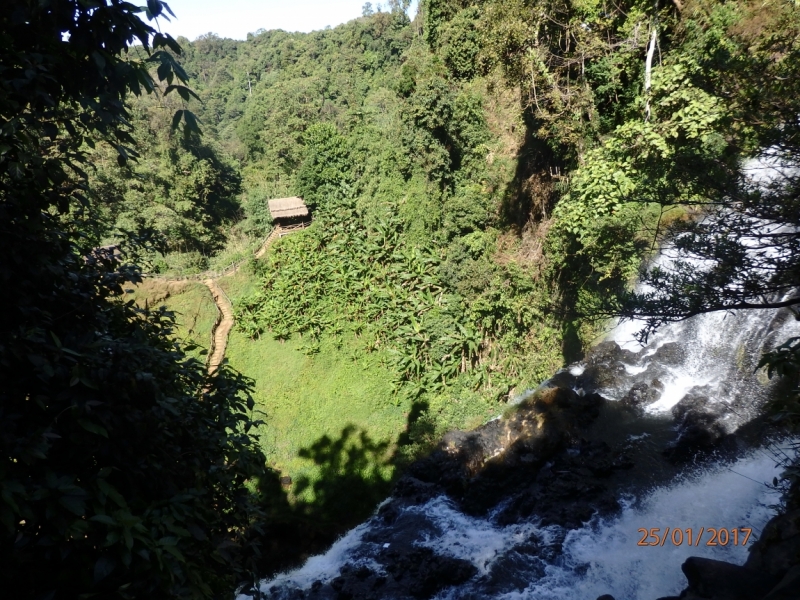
x: 486, y: 179
x: 502, y: 167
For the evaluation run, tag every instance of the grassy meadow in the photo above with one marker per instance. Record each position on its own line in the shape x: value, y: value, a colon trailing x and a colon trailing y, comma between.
x: 322, y: 412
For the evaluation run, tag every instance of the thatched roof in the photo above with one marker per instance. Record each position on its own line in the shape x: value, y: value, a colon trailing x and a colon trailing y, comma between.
x: 287, y: 207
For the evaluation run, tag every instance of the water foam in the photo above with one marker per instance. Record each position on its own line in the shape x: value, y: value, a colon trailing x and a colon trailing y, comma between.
x: 721, y: 354
x: 470, y: 538
x: 604, y: 558
x: 323, y: 567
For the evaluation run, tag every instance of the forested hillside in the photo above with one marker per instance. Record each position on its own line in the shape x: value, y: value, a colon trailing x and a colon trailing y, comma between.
x: 483, y: 178
x: 487, y: 181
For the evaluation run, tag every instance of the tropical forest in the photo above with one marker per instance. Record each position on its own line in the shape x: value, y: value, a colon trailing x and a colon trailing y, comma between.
x: 451, y: 301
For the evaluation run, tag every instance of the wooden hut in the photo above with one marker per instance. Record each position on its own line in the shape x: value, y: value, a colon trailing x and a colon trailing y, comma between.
x: 288, y: 212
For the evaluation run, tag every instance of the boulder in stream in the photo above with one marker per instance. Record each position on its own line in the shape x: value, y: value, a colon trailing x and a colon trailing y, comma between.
x: 699, y: 423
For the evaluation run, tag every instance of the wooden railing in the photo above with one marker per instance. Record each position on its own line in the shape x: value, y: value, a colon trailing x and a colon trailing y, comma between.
x: 287, y: 229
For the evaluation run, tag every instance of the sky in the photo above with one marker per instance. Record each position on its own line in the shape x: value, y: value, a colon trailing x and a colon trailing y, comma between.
x: 236, y: 18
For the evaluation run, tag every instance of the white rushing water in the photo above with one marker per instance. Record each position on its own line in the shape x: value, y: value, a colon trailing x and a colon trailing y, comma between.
x: 605, y: 558
x: 714, y: 353
x: 323, y: 567
x: 712, y: 357
x: 722, y: 350
x: 600, y: 558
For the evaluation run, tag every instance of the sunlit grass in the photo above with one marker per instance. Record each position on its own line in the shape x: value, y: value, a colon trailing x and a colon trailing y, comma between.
x: 192, y: 304
x: 300, y: 398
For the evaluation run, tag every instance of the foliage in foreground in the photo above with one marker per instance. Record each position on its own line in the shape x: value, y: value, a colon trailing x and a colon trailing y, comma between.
x: 784, y: 362
x: 125, y: 471
x: 122, y: 452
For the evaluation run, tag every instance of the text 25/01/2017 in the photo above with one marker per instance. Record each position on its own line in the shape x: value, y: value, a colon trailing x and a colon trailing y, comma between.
x: 678, y: 537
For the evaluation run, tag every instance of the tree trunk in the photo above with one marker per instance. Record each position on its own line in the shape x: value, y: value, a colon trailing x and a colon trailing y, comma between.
x: 648, y: 70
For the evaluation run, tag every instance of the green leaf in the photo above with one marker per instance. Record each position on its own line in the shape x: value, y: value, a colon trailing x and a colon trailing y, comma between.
x: 93, y: 427
x: 128, y: 538
x: 104, y: 519
x: 154, y: 7
x: 192, y: 123
x: 74, y: 504
x: 110, y: 491
x: 164, y: 71
x: 183, y: 91
x: 16, y: 170
x: 175, y: 552
x: 176, y: 119
x: 104, y: 566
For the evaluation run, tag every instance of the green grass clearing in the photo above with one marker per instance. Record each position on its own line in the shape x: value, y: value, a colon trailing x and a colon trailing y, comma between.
x: 303, y: 398
x: 194, y: 309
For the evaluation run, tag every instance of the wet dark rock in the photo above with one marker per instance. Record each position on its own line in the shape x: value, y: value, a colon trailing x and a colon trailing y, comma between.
x: 671, y: 353
x: 407, y: 529
x: 533, y: 460
x: 514, y: 571
x: 718, y: 580
x: 606, y: 597
x: 605, y: 367
x: 414, y: 490
x: 772, y: 572
x: 599, y: 377
x: 567, y: 492
x: 411, y: 572
x: 563, y: 379
x: 699, y: 424
x: 535, y: 430
x: 641, y: 395
x: 695, y: 402
x: 778, y: 548
x: 787, y: 588
x: 606, y: 352
x: 420, y: 573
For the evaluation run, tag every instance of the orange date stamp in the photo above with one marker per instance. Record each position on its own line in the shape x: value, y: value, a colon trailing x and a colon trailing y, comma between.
x: 737, y: 536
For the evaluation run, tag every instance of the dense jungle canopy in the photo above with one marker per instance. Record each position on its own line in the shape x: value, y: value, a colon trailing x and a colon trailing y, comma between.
x: 487, y: 179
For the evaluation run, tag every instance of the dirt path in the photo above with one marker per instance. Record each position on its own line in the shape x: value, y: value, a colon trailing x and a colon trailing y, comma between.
x: 224, y: 324
x: 222, y: 328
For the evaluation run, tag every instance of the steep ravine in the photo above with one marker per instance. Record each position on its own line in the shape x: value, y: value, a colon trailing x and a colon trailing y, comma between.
x: 547, y: 501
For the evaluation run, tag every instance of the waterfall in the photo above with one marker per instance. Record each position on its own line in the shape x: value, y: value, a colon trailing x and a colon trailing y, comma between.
x: 717, y: 353
x: 704, y: 365
x: 602, y: 557
x: 695, y: 381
